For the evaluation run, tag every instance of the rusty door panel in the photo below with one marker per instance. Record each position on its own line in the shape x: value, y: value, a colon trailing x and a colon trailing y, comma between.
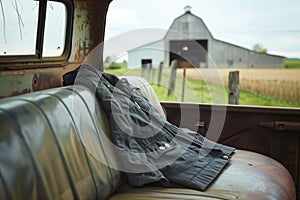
x: 267, y: 130
x: 13, y: 83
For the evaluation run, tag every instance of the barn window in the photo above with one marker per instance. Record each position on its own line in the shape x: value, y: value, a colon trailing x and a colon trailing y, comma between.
x: 34, y: 31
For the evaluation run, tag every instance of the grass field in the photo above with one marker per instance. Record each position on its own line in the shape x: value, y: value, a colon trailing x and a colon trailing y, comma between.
x: 278, y: 84
x: 292, y: 63
x: 262, y: 87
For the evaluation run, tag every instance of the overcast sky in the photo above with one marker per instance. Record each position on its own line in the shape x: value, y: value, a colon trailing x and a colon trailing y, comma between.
x: 273, y: 23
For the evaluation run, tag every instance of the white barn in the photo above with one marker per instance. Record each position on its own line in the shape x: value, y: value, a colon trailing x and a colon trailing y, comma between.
x: 189, y: 39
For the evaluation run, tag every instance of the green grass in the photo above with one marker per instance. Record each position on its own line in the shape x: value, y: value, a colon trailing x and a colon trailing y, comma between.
x: 247, y: 98
x: 292, y: 63
x: 122, y: 70
x: 200, y: 92
x: 115, y: 65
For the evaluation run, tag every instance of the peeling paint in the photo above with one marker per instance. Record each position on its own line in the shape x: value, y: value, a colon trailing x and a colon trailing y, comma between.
x: 12, y: 85
x: 21, y: 92
x: 87, y: 34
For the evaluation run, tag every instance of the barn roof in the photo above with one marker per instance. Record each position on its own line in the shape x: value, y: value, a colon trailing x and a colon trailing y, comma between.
x: 146, y: 45
x: 189, y: 16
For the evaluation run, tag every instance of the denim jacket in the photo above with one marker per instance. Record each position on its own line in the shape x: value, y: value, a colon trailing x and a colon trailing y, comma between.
x: 151, y: 149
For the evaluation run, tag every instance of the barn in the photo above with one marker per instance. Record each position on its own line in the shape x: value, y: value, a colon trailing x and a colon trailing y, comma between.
x: 189, y: 40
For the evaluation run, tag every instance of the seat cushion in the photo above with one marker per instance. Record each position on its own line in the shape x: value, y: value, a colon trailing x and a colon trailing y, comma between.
x: 147, y: 91
x: 248, y: 176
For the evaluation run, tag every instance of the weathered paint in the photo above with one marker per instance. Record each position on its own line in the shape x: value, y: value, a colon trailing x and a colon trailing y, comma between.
x: 87, y: 34
x: 15, y: 84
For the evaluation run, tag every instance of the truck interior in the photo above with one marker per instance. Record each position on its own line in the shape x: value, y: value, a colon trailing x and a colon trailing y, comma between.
x: 52, y: 148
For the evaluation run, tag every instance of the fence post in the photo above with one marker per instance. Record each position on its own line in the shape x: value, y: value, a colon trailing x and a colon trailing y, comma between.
x: 183, y: 83
x: 159, y: 73
x: 149, y: 69
x: 172, y: 77
x: 233, y: 87
x: 144, y: 70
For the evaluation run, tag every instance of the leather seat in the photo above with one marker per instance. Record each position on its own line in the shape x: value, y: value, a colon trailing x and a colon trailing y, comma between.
x: 248, y: 176
x: 54, y: 144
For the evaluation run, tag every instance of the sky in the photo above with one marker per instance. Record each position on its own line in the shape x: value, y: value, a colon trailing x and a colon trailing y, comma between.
x: 275, y: 24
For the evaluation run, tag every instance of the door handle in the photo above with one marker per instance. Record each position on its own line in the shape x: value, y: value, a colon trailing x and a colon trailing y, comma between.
x: 201, y: 127
x: 281, y: 126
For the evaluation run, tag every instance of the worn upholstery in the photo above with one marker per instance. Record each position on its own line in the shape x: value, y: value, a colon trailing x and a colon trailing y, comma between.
x: 55, y: 144
x: 51, y: 146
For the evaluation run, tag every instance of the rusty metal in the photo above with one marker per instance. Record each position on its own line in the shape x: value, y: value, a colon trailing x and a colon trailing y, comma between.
x: 13, y: 83
x: 87, y: 35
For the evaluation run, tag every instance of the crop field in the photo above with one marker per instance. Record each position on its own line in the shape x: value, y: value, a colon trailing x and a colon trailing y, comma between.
x: 282, y: 84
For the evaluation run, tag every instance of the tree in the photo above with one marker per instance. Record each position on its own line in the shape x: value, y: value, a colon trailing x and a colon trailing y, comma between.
x: 110, y: 59
x: 259, y: 48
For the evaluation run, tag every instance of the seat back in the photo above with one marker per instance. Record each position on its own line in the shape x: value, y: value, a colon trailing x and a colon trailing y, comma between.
x: 55, y: 144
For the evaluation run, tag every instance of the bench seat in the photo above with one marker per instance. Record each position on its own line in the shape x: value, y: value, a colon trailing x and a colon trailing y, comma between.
x: 55, y: 144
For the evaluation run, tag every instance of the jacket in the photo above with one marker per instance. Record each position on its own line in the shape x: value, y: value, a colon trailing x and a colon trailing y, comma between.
x: 151, y: 149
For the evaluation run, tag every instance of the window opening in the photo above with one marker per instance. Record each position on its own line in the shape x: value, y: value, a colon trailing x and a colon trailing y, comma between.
x: 33, y: 29
x: 19, y: 23
x: 55, y: 29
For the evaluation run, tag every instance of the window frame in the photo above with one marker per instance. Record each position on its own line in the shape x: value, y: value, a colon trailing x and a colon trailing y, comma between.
x: 37, y: 60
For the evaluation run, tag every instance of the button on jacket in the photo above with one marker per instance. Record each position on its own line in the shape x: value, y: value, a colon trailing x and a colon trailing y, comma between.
x: 151, y: 149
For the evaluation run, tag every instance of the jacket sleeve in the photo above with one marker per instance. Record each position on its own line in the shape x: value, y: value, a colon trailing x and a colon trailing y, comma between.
x: 132, y: 158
